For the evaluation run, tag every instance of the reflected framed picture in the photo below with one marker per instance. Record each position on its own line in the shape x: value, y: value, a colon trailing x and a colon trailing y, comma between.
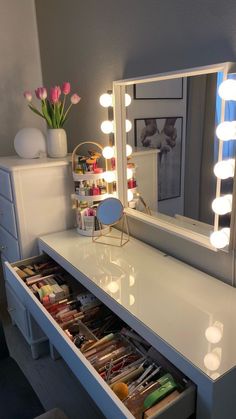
x: 165, y: 134
x: 163, y: 89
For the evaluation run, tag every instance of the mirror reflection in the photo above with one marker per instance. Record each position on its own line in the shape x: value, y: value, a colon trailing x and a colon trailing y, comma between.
x: 175, y: 149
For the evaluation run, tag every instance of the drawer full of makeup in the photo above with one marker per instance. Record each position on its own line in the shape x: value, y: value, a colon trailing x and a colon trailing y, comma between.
x: 126, y: 377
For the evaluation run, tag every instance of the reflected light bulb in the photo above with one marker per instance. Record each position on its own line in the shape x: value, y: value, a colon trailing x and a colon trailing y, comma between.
x: 222, y: 205
x: 108, y: 152
x: 131, y: 299
x: 220, y: 238
x: 113, y: 287
x: 212, y: 361
x: 213, y: 334
x: 106, y: 100
x: 109, y: 176
x: 227, y: 89
x: 226, y: 131
x: 131, y: 280
x: 129, y: 173
x: 128, y: 150
x: 107, y: 127
x: 128, y: 125
x: 224, y: 169
x: 130, y: 195
x: 127, y: 99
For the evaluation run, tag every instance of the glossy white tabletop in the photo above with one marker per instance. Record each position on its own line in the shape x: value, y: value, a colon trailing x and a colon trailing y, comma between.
x: 177, y: 302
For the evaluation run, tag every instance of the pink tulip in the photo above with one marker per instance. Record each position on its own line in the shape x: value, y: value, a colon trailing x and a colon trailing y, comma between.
x: 28, y: 96
x: 66, y: 88
x: 55, y: 93
x: 75, y: 99
x: 41, y: 93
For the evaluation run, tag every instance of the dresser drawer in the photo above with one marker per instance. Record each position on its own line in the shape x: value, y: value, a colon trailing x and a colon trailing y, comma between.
x: 17, y: 311
x: 7, y: 216
x: 5, y: 185
x: 180, y: 408
x: 9, y: 246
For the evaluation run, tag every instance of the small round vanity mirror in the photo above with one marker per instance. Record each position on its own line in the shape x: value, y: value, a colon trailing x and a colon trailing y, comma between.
x: 109, y: 211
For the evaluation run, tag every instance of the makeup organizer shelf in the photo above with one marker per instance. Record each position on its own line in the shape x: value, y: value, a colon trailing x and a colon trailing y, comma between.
x: 90, y: 187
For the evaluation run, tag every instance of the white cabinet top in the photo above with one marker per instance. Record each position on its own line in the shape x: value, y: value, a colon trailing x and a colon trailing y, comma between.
x: 12, y: 163
x: 175, y: 301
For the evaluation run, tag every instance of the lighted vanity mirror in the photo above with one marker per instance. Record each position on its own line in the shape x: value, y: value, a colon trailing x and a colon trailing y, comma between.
x: 174, y: 116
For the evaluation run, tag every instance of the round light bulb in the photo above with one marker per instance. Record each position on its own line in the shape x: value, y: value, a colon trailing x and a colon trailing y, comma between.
x: 106, y: 100
x: 128, y: 150
x: 227, y: 89
x: 212, y: 361
x: 224, y: 169
x: 108, y: 152
x: 128, y: 125
x: 220, y: 238
x: 131, y: 299
x: 127, y: 99
x: 107, y: 127
x: 226, y: 131
x: 213, y: 334
x: 130, y: 195
x: 131, y: 280
x: 129, y: 173
x: 109, y: 176
x: 113, y: 287
x: 222, y: 205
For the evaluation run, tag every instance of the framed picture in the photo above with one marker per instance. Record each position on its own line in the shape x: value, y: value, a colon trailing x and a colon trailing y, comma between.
x: 165, y: 134
x: 164, y: 89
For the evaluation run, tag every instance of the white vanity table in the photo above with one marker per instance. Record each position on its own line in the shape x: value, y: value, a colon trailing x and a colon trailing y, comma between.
x: 166, y: 301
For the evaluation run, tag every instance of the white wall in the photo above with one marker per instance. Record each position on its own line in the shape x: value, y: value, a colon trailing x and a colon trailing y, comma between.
x: 20, y: 69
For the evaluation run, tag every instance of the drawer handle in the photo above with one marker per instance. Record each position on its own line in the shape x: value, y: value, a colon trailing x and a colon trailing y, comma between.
x: 3, y: 248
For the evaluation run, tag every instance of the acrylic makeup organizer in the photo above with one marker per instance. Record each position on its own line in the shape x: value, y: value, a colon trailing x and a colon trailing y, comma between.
x: 90, y: 188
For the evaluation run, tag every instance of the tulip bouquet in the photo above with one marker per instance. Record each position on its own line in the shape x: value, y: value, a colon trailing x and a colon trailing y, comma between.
x: 53, y: 108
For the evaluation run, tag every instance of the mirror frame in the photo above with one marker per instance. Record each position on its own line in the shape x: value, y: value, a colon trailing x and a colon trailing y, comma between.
x: 120, y: 142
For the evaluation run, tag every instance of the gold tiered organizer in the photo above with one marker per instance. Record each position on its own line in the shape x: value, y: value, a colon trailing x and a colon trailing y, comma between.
x: 90, y: 177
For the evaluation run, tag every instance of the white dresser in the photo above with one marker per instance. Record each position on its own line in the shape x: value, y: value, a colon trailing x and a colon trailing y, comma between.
x: 34, y: 200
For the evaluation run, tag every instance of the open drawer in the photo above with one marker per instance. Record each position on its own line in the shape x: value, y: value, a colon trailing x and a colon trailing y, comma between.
x: 181, y: 407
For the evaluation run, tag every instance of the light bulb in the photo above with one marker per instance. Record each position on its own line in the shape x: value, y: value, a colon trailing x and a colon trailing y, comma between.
x: 222, y: 205
x: 108, y: 152
x: 113, y: 287
x: 128, y: 150
x: 128, y: 125
x: 213, y: 334
x: 131, y: 280
x: 224, y: 169
x: 227, y: 89
x: 106, y: 100
x: 107, y: 127
x: 130, y: 195
x: 220, y: 238
x: 109, y: 176
x: 212, y: 361
x: 226, y: 131
x: 131, y: 299
x: 129, y: 173
x: 127, y: 99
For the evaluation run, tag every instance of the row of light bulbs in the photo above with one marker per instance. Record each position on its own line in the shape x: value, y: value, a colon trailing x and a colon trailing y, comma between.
x: 224, y: 169
x: 106, y: 100
x: 108, y: 152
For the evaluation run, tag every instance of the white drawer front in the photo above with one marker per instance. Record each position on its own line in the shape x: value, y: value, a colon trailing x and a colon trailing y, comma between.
x: 5, y: 185
x: 9, y: 246
x: 17, y: 311
x: 7, y: 216
x: 101, y: 393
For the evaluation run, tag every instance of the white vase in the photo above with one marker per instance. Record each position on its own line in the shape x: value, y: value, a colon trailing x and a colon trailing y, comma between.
x: 56, y: 142
x: 30, y: 143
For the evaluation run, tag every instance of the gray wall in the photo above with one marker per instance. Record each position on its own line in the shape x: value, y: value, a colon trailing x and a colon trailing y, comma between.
x: 95, y: 42
x: 20, y: 69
